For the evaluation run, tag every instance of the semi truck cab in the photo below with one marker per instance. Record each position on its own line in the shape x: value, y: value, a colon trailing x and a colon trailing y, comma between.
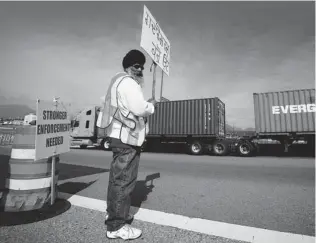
x: 84, y: 131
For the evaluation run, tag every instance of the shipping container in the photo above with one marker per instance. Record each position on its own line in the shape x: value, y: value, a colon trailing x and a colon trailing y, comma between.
x: 199, y: 117
x: 285, y: 112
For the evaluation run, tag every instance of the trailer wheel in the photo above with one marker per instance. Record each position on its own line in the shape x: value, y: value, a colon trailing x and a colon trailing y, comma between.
x: 245, y: 149
x: 195, y: 148
x: 105, y: 144
x: 220, y: 148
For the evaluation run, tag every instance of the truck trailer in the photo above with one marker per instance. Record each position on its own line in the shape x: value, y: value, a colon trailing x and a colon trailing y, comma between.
x: 200, y: 124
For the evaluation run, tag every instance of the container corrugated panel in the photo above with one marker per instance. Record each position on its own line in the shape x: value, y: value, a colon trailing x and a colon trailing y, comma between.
x: 285, y: 112
x: 188, y: 117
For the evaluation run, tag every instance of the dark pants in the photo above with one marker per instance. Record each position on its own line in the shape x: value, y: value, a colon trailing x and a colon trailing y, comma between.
x: 122, y: 181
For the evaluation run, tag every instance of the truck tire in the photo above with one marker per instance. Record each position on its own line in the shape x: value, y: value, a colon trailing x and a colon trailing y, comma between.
x: 195, y: 148
x: 220, y: 148
x: 245, y: 149
x: 105, y: 144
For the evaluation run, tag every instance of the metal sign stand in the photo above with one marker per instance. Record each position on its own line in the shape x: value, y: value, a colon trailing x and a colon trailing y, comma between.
x: 53, y: 188
x: 154, y: 81
x: 52, y: 198
x: 161, y: 85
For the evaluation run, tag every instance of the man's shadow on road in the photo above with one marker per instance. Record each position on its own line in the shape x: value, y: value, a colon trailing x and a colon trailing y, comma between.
x: 141, y: 191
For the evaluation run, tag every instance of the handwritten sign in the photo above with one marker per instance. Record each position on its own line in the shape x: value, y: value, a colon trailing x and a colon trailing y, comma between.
x: 52, y: 130
x: 154, y: 42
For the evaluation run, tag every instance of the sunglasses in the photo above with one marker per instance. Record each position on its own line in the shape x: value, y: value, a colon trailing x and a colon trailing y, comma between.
x: 138, y: 66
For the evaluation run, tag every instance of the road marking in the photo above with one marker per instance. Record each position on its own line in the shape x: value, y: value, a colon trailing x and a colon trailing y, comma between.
x: 209, y: 227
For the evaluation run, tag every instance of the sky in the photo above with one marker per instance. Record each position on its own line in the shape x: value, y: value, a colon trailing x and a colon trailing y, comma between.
x: 222, y: 49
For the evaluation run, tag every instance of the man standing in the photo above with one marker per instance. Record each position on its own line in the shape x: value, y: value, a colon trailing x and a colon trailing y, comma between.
x: 124, y: 115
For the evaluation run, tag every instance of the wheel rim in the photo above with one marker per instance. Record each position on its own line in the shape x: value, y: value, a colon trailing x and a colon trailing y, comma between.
x: 196, y: 148
x: 219, y: 148
x: 106, y: 145
x: 244, y: 149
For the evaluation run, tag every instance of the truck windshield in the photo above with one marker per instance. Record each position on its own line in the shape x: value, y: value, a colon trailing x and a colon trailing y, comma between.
x: 74, y: 123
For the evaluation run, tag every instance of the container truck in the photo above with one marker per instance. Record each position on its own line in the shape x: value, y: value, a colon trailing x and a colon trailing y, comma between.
x: 195, y: 122
x: 285, y: 116
x: 198, y: 123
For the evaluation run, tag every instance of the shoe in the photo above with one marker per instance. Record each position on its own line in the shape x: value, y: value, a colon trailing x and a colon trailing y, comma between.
x: 126, y: 233
x: 130, y: 217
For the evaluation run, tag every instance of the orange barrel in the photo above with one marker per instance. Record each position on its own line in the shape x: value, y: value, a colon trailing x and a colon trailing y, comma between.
x: 27, y: 182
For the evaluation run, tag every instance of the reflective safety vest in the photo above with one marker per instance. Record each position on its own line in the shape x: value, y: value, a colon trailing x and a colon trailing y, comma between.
x: 117, y: 120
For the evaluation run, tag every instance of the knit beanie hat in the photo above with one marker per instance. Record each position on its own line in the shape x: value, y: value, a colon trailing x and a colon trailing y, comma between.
x: 133, y: 57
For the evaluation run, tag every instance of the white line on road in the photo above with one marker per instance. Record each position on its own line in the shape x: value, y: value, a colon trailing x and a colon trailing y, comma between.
x: 209, y: 227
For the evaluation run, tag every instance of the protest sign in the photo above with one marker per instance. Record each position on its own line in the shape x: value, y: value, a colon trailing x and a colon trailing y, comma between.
x: 155, y: 42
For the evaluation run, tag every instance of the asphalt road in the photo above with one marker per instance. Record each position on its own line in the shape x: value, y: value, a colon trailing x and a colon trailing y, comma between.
x: 80, y: 225
x: 264, y: 192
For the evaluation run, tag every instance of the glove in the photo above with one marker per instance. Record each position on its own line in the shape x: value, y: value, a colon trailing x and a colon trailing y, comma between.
x: 154, y: 102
